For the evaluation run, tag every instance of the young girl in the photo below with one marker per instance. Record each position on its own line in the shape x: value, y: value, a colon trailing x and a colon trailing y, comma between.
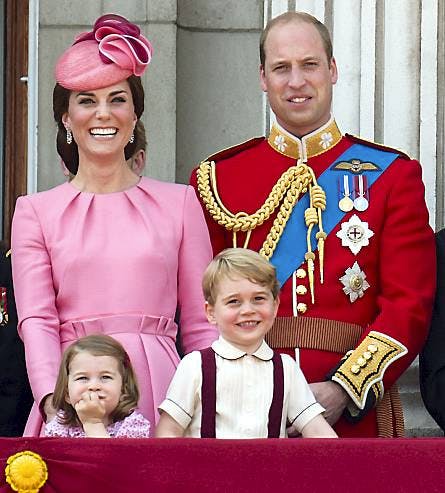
x: 96, y: 392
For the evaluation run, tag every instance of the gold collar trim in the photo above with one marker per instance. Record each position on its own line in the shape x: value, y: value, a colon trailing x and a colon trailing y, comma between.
x: 313, y: 144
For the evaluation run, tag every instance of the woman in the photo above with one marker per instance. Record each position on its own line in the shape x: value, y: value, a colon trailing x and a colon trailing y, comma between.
x: 109, y: 251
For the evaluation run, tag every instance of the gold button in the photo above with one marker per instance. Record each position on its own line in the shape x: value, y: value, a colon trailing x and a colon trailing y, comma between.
x: 367, y: 355
x: 355, y: 369
x: 301, y: 273
x: 301, y: 289
x: 361, y: 362
x: 301, y: 307
x: 372, y: 348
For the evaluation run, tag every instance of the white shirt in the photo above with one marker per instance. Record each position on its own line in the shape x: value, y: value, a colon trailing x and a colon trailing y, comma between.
x: 244, y: 390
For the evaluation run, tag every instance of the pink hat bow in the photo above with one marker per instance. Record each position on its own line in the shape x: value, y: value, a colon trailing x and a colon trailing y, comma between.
x: 112, y: 51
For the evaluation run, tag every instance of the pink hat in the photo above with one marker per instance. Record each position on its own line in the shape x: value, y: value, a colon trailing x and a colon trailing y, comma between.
x: 113, y: 51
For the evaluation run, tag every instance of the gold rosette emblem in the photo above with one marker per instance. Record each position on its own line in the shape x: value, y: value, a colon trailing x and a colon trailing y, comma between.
x: 26, y: 472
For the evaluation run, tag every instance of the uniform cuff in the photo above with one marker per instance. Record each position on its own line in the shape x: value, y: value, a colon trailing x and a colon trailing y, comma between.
x: 361, y: 371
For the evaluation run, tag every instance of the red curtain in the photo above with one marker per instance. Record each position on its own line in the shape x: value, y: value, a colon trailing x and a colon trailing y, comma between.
x: 207, y: 465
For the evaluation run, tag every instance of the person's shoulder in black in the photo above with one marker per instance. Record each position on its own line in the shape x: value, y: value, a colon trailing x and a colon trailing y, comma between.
x: 432, y: 357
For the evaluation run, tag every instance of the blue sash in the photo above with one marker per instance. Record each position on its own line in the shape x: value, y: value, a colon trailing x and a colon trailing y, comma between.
x: 290, y: 251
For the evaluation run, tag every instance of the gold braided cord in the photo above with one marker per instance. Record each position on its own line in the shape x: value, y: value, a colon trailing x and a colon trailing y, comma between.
x: 297, y: 187
x: 292, y: 183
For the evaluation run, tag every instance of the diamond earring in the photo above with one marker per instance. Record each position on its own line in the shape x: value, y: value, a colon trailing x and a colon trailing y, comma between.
x: 69, y: 136
x: 131, y: 139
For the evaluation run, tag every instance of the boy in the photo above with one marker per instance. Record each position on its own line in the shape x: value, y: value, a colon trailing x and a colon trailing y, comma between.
x: 248, y: 391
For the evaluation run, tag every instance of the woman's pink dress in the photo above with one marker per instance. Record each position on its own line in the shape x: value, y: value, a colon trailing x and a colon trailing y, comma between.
x: 127, y: 264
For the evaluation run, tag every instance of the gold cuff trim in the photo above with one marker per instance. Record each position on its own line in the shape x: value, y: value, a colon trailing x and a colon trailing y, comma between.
x: 364, y: 368
x: 313, y: 144
x: 313, y: 333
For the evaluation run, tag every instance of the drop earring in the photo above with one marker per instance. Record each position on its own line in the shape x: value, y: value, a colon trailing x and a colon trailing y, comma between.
x: 131, y: 139
x: 69, y: 136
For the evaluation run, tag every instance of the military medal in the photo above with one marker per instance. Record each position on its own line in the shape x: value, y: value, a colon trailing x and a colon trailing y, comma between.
x: 354, y: 282
x: 355, y: 234
x: 3, y: 307
x: 361, y: 202
x: 346, y: 204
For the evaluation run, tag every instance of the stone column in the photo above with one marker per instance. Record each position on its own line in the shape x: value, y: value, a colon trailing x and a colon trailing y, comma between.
x: 219, y: 99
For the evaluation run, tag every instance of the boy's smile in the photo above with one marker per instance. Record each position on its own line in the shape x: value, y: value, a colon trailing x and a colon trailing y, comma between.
x: 244, y: 312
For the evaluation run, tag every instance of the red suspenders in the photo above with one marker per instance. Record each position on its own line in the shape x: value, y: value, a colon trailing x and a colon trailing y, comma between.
x: 208, y: 395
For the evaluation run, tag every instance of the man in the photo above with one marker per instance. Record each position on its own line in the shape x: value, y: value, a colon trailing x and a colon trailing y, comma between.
x: 432, y: 357
x: 344, y: 222
x: 15, y: 392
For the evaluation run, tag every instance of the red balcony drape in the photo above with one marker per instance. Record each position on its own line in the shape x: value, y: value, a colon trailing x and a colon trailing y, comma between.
x: 208, y: 465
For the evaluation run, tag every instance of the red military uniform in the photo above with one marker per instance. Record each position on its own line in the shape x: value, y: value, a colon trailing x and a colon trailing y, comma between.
x: 379, y: 312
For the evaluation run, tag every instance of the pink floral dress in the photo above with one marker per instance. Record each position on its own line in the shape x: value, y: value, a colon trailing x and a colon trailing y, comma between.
x: 133, y: 426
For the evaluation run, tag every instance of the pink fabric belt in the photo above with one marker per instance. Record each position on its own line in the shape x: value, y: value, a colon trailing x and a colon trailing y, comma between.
x: 119, y: 324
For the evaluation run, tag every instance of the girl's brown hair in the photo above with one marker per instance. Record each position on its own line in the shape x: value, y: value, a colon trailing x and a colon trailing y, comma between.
x: 97, y: 345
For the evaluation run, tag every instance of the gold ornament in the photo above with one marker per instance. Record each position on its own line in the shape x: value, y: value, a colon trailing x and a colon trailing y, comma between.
x: 26, y: 472
x: 294, y: 182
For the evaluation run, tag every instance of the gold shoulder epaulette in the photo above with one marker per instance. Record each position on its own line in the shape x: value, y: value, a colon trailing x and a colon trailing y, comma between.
x: 364, y: 367
x: 232, y: 151
x: 376, y: 145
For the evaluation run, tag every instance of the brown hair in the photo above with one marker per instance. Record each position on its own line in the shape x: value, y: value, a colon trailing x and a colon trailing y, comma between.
x: 97, y: 345
x: 69, y: 152
x: 242, y: 262
x: 289, y: 17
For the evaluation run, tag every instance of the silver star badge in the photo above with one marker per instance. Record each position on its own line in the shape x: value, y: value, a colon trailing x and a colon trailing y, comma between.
x: 354, y: 282
x: 355, y: 234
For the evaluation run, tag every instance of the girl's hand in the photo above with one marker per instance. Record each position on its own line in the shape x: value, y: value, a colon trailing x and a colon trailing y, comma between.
x: 48, y: 408
x: 90, y: 409
x: 91, y: 413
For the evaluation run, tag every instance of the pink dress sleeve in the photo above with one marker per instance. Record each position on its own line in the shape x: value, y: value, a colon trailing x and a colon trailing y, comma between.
x: 194, y: 255
x: 35, y: 299
x: 133, y: 426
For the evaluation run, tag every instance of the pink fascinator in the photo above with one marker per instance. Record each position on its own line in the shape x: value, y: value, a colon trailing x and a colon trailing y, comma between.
x: 110, y: 53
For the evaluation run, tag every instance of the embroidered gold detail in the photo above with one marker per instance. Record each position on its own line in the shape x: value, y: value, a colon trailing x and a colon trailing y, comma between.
x: 355, y: 166
x: 363, y: 370
x: 308, y: 146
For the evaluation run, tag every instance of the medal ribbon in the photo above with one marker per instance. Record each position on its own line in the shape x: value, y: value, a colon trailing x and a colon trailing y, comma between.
x: 290, y: 251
